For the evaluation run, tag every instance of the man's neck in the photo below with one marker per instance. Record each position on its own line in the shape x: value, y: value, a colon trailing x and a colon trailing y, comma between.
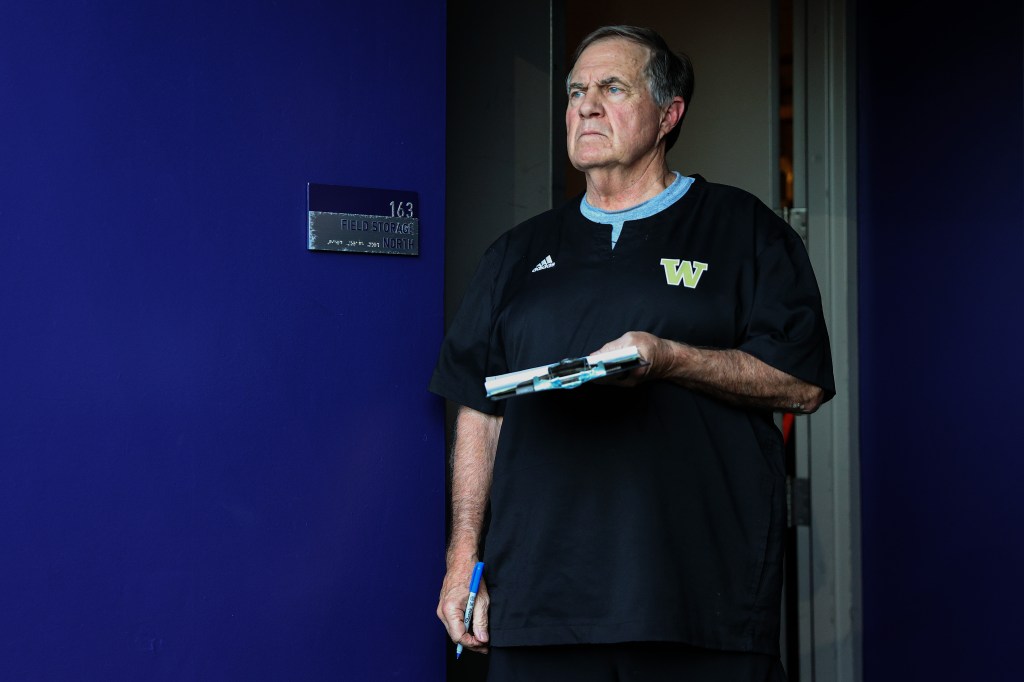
x: 614, y: 189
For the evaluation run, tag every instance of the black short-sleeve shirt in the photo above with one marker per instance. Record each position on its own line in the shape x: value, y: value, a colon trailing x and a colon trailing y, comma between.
x: 648, y: 513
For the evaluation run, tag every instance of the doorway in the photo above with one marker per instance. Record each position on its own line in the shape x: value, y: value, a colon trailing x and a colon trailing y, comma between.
x: 771, y: 114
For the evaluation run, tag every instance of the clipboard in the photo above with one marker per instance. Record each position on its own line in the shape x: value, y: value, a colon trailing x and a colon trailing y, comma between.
x: 566, y: 374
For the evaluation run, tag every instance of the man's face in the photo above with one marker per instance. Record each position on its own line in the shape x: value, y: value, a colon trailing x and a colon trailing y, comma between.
x: 611, y: 119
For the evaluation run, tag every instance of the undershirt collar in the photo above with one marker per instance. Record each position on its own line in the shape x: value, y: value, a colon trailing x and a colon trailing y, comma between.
x: 652, y: 206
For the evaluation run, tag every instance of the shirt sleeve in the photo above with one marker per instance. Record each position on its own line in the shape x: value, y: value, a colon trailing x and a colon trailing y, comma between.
x: 786, y: 328
x: 467, y: 354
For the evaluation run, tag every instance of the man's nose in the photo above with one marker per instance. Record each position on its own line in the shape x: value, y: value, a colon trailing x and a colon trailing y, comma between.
x: 591, y: 104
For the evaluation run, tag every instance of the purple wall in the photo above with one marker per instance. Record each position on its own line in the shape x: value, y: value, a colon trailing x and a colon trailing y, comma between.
x: 941, y: 225
x: 218, y: 459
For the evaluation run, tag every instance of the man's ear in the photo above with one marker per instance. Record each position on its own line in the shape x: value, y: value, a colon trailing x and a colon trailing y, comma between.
x: 673, y: 114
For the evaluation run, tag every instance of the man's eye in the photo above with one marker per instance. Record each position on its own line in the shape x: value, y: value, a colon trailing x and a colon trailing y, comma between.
x: 614, y: 89
x: 575, y: 94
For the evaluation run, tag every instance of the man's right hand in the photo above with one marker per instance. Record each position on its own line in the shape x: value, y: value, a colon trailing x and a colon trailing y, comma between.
x: 451, y: 608
x: 476, y: 444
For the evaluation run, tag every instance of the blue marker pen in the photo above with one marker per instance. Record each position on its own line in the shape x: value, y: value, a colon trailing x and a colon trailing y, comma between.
x: 474, y: 587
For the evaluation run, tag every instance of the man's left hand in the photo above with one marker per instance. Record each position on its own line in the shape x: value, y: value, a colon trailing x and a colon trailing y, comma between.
x: 659, y: 356
x: 728, y: 374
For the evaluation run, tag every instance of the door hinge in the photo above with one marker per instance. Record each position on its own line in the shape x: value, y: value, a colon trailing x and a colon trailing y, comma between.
x: 797, y: 219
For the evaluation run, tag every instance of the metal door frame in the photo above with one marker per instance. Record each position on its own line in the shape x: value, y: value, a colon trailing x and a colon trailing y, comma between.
x: 829, y: 569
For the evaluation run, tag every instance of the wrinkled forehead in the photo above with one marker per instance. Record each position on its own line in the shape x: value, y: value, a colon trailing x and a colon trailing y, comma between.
x: 610, y: 57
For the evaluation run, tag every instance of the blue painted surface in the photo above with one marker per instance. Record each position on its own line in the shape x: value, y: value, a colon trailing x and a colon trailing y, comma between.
x: 941, y: 230
x: 218, y: 459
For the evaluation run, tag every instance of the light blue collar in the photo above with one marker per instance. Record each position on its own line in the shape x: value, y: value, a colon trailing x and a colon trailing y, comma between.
x: 652, y: 206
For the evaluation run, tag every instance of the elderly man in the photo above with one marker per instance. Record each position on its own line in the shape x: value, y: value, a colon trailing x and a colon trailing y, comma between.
x: 636, y: 526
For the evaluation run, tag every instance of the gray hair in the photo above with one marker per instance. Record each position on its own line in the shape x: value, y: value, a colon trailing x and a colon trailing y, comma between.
x: 668, y: 73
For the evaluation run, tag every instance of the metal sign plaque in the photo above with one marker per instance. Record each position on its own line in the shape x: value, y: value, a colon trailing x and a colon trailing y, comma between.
x: 362, y: 220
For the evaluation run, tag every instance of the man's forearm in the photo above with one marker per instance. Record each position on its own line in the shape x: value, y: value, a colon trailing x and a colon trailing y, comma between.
x: 738, y: 377
x: 728, y: 374
x: 476, y: 442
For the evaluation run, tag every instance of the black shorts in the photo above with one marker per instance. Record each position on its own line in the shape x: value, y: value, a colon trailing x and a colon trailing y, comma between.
x: 630, y: 662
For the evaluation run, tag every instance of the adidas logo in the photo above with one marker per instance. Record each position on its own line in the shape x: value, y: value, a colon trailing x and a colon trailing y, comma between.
x: 544, y: 264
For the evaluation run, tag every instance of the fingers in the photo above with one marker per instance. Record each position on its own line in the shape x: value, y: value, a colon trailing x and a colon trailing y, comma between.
x: 478, y: 639
x: 481, y: 614
x: 452, y: 614
x: 471, y: 643
x: 621, y: 342
x: 451, y: 610
x: 643, y: 341
x: 647, y: 346
x: 451, y: 607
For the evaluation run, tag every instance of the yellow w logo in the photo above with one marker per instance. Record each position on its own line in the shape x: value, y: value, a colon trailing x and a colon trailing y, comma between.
x: 688, y: 273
